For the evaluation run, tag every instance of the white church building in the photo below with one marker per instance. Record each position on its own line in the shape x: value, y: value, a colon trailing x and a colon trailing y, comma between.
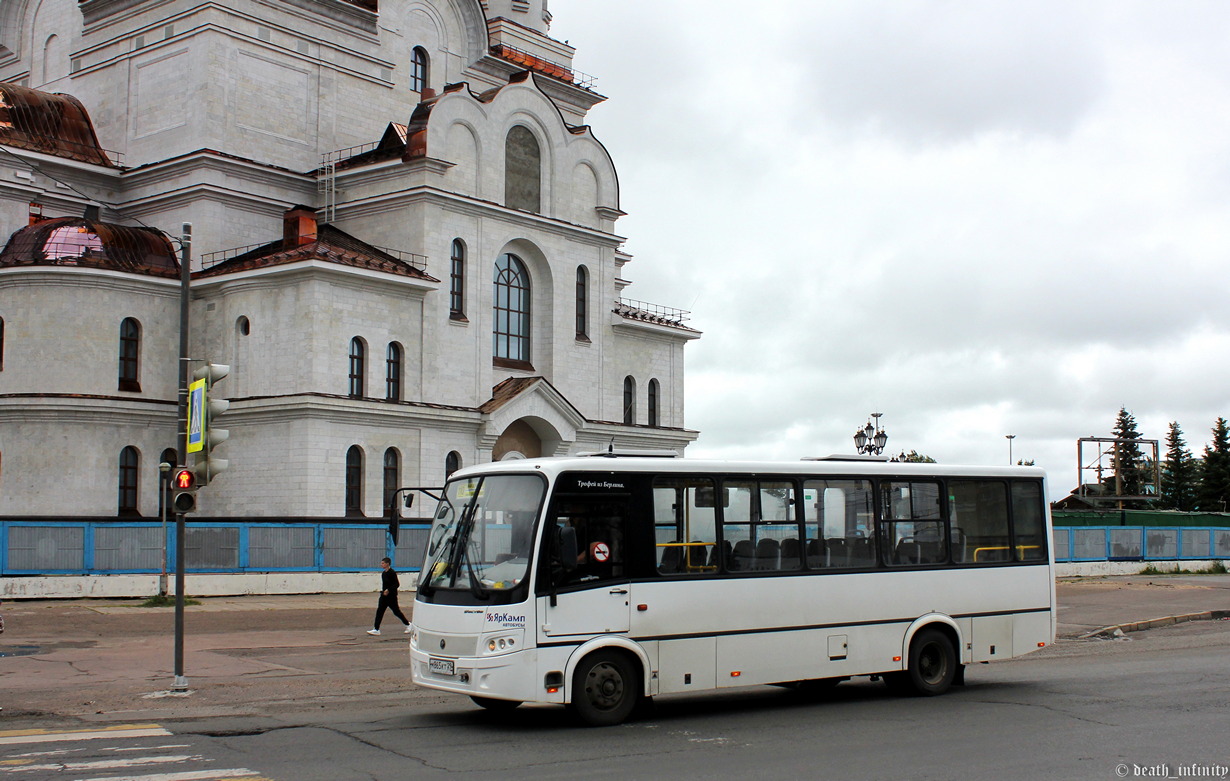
x: 403, y: 245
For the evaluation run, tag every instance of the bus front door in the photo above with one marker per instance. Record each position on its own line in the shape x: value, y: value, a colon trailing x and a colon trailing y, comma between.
x: 602, y: 608
x: 593, y: 598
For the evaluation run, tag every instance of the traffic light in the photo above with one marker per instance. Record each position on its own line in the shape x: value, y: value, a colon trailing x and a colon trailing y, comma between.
x: 183, y: 484
x: 203, y: 435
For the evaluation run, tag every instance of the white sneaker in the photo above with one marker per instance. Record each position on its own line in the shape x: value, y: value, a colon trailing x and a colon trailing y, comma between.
x: 409, y: 628
x: 373, y: 631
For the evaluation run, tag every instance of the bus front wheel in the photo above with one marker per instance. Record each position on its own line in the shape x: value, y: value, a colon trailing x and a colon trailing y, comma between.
x: 932, y: 665
x: 605, y: 688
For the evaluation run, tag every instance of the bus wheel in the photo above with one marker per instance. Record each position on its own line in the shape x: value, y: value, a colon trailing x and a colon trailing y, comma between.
x: 494, y: 705
x: 932, y: 665
x: 605, y: 688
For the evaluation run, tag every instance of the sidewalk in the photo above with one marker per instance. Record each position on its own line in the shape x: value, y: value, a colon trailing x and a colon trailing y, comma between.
x: 271, y: 656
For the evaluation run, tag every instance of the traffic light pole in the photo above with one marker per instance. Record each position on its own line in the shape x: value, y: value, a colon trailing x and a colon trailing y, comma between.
x: 185, y: 267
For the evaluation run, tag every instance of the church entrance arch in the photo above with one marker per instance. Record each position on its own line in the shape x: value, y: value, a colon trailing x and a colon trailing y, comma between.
x: 526, y: 438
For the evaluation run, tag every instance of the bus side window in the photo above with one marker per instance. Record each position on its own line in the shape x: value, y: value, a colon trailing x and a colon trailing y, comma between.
x: 978, y: 511
x: 1028, y: 522
x: 685, y: 529
x: 915, y: 533
x: 839, y: 516
x: 598, y: 522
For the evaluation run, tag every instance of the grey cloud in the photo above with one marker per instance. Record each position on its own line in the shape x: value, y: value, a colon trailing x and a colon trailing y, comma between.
x: 944, y: 71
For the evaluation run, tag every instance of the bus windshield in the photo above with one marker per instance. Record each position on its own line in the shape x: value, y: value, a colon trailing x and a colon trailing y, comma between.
x: 482, y: 536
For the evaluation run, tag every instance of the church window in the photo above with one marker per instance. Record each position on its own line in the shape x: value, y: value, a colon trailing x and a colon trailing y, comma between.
x: 130, y: 464
x: 511, y: 330
x: 392, y: 380
x: 392, y: 477
x: 582, y: 303
x: 629, y: 401
x: 452, y: 462
x: 418, y: 69
x: 1, y: 344
x: 358, y: 357
x: 457, y: 281
x: 522, y: 170
x: 130, y: 355
x: 354, y: 481
x: 652, y: 405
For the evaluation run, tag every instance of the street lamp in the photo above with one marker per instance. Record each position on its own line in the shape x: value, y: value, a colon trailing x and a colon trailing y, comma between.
x: 1010, y: 437
x: 870, y: 440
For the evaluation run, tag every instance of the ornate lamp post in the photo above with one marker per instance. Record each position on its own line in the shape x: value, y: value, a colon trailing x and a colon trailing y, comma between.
x: 870, y: 440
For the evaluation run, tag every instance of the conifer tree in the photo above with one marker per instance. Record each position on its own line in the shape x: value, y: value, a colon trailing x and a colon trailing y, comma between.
x: 1129, y: 461
x: 1215, y: 471
x: 1180, y: 477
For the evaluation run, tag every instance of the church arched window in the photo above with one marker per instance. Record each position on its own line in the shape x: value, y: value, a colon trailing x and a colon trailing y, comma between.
x: 522, y: 170
x: 511, y: 329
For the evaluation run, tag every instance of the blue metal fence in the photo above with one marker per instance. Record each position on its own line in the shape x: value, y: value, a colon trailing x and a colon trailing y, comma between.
x: 137, y: 547
x: 111, y: 547
x: 1140, y: 543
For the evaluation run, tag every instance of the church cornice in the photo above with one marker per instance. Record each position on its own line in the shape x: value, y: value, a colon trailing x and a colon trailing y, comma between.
x: 394, y: 201
x: 86, y: 277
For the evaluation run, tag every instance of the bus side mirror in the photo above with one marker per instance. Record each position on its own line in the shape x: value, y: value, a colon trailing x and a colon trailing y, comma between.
x: 568, y: 548
x: 408, y: 500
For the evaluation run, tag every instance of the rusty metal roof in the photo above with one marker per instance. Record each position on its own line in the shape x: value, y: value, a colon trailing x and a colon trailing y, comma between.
x: 54, y: 124
x: 331, y: 245
x: 77, y: 241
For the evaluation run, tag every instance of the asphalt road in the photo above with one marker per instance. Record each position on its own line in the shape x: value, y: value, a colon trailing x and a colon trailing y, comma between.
x: 1084, y: 709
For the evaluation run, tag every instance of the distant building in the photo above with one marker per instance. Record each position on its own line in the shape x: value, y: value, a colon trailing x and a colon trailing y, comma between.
x: 402, y: 240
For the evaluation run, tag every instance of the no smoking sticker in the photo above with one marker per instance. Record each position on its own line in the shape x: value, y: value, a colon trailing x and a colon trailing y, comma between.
x: 600, y: 551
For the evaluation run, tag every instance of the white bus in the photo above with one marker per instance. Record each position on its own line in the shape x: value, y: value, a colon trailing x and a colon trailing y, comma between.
x: 596, y: 582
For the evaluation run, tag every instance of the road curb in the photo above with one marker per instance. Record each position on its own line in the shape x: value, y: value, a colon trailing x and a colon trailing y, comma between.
x: 1154, y: 623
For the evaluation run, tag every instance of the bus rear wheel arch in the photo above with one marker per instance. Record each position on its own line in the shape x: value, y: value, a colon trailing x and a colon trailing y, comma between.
x: 931, y: 666
x: 606, y: 687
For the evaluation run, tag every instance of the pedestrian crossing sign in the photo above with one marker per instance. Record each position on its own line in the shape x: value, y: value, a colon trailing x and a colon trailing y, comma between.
x: 196, y: 416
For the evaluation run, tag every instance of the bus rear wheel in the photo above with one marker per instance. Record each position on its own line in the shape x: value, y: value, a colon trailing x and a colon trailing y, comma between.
x: 932, y: 666
x: 605, y: 688
x: 495, y: 705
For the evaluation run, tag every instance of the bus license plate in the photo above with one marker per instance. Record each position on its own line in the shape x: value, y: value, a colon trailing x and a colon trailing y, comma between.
x: 441, y: 666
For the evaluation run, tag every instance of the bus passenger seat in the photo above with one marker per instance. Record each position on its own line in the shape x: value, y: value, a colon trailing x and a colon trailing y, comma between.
x: 767, y: 550
x: 670, y: 560
x: 792, y: 552
x: 744, y: 556
x: 839, y: 552
x: 817, y: 554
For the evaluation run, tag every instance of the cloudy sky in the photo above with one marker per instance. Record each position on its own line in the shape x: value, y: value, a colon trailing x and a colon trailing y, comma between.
x: 979, y: 218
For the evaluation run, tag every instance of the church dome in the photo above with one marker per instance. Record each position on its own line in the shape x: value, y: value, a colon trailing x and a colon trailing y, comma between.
x: 78, y: 241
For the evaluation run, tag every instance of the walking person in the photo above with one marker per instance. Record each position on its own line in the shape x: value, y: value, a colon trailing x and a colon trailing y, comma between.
x: 388, y: 597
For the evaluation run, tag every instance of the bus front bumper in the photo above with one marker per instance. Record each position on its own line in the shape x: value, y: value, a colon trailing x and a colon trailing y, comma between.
x: 511, y: 676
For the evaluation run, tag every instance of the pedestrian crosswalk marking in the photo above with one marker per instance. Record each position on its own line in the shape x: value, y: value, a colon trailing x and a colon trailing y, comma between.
x: 55, y: 760
x: 105, y: 764
x: 19, y: 736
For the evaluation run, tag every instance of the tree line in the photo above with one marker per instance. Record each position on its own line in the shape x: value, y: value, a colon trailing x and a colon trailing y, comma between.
x: 1187, y: 483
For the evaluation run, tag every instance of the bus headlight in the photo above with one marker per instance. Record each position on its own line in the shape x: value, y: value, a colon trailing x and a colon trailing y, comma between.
x: 503, y: 643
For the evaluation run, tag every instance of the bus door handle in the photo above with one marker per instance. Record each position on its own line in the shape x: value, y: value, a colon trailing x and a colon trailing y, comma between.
x: 619, y: 590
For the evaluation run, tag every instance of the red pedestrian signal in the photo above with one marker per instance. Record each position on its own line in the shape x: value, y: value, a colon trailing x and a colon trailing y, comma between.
x: 184, y: 485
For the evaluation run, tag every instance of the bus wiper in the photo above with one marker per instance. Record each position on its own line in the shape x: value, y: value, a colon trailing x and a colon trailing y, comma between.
x: 476, y: 584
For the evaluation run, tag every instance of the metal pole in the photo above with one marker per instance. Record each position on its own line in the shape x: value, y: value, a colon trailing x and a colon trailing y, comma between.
x: 1009, y: 437
x: 164, y: 470
x: 185, y: 276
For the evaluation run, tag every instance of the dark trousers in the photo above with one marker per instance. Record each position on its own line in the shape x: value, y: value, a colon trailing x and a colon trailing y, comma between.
x: 389, y: 602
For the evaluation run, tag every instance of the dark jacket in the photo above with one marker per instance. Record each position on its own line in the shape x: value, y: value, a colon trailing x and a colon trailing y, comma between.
x: 388, y: 581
